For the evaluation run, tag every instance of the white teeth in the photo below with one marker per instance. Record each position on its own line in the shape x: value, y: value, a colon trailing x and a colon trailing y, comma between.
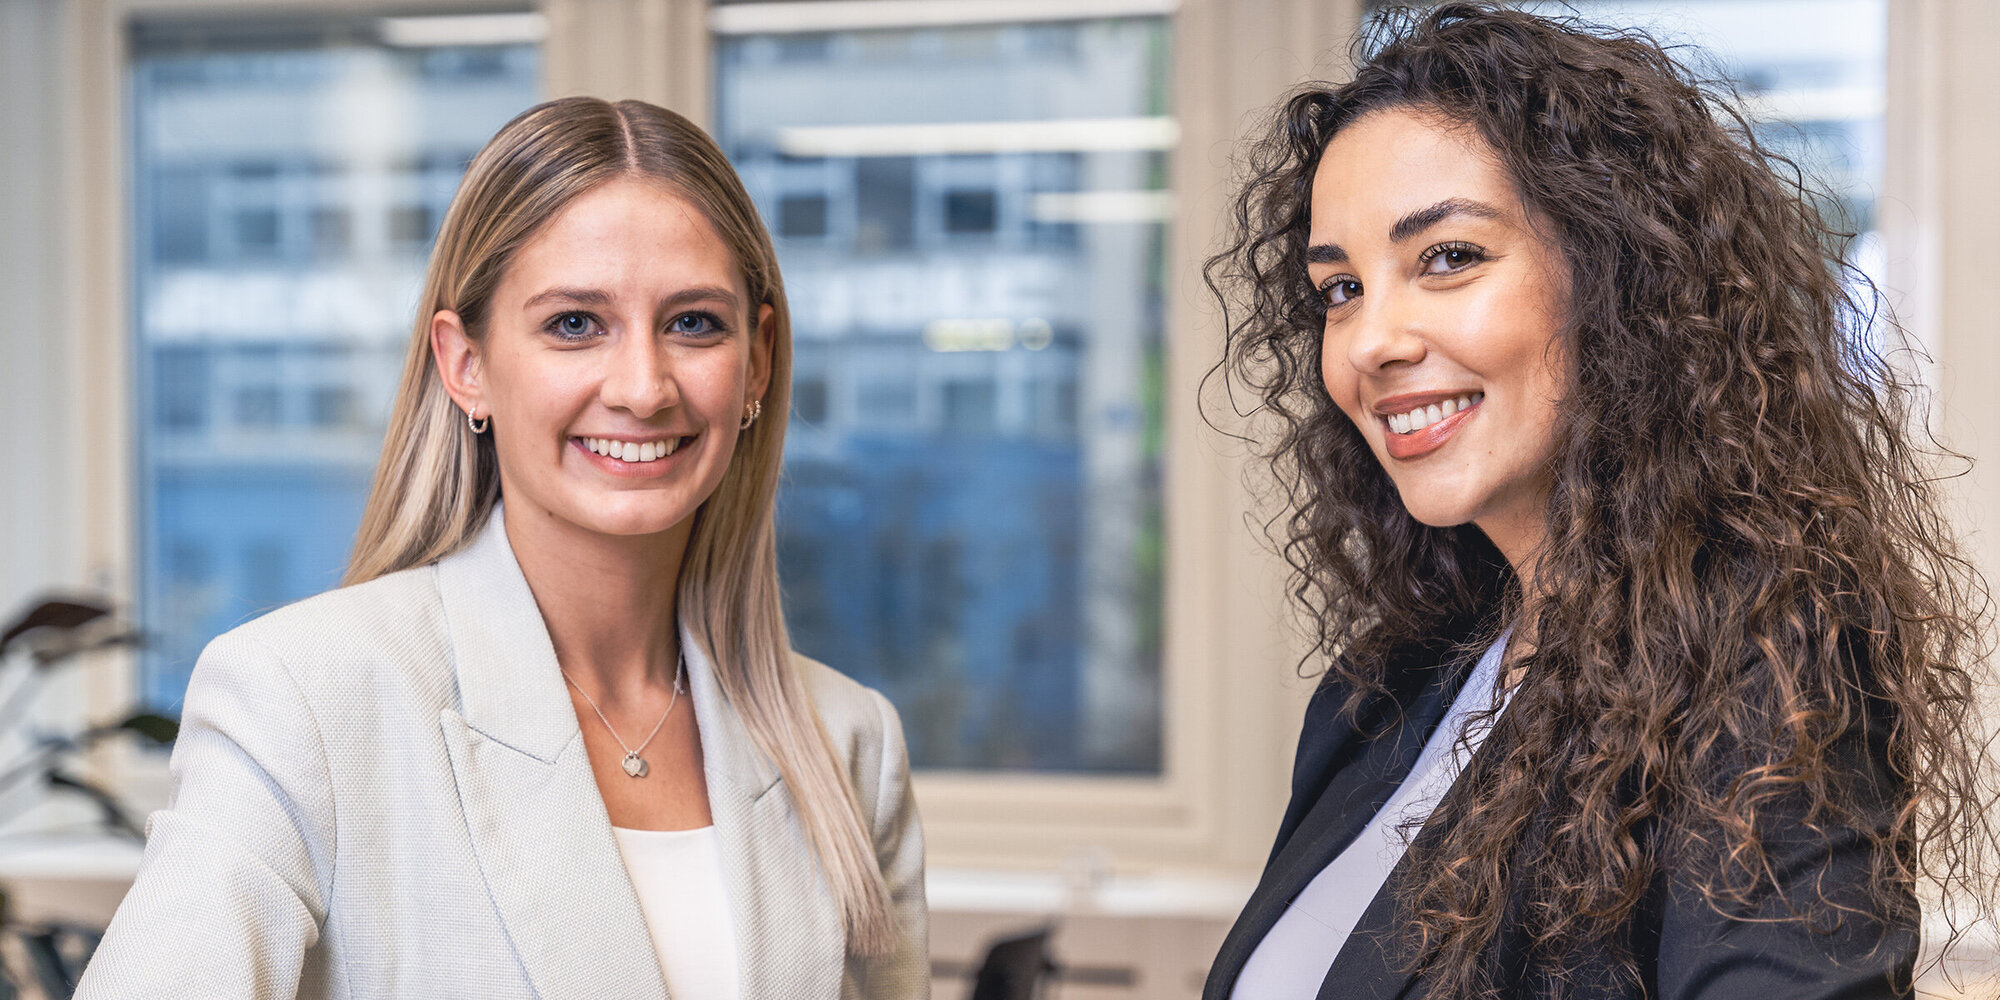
x: 629, y: 451
x: 1424, y: 416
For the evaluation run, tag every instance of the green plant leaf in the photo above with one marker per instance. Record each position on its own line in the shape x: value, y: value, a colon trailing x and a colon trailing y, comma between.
x: 113, y: 814
x: 153, y: 726
x: 52, y: 614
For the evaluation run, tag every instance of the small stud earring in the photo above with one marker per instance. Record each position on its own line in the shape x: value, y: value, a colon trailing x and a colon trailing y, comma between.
x: 751, y: 413
x: 478, y: 426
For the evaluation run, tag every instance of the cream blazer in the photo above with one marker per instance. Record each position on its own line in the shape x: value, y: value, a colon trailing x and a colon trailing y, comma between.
x: 382, y: 792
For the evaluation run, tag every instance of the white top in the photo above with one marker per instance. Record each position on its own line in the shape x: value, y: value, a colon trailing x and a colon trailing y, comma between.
x: 678, y: 874
x: 1293, y: 958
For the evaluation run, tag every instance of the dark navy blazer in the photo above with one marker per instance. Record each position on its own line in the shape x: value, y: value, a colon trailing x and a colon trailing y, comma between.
x: 1685, y: 949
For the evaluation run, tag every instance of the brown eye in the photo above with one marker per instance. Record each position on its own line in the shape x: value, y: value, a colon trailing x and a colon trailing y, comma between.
x: 1448, y: 257
x: 1339, y: 291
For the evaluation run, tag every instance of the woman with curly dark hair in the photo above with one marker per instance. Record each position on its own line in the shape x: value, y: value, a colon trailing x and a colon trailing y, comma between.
x: 1651, y: 655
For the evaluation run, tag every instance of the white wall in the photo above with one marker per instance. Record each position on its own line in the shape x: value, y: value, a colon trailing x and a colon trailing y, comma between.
x: 37, y: 485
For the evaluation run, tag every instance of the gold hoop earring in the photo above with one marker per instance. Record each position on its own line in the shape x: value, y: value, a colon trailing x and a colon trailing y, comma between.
x: 478, y: 426
x: 750, y: 414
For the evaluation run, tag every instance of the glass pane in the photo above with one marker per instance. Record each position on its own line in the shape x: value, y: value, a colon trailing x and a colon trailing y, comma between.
x: 971, y: 222
x: 288, y: 181
x: 1813, y: 75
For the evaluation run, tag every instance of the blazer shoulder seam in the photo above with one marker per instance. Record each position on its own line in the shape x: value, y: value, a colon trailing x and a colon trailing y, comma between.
x: 883, y: 788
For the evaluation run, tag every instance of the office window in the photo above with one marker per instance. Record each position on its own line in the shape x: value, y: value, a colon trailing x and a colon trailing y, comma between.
x: 809, y: 400
x: 802, y: 216
x: 258, y: 406
x: 970, y: 407
x: 1812, y: 75
x: 886, y: 189
x: 411, y: 226
x: 180, y: 390
x: 971, y: 211
x: 257, y: 231
x: 334, y: 406
x: 332, y: 232
x: 891, y: 402
x: 288, y: 183
x: 971, y: 516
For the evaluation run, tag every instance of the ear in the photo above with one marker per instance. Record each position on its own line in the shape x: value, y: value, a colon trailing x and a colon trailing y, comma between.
x: 458, y: 366
x: 760, y: 352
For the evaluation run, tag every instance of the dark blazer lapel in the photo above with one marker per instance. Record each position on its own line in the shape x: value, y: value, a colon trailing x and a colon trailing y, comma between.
x: 1346, y: 771
x: 790, y: 940
x: 537, y: 823
x: 1327, y: 740
x: 1369, y: 966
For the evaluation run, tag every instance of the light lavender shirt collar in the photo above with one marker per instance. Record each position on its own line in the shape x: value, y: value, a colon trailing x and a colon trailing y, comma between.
x: 1293, y: 958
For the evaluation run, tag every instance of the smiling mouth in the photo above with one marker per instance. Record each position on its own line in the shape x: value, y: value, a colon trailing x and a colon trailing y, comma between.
x: 634, y: 452
x: 1420, y: 417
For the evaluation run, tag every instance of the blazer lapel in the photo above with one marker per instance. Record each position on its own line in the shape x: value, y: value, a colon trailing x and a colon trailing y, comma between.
x: 1370, y: 965
x: 790, y: 941
x: 1373, y: 963
x: 538, y: 827
x: 1344, y: 775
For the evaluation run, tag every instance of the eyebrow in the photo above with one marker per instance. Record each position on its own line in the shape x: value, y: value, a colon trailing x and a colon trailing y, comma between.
x: 1424, y: 218
x: 601, y: 298
x: 1408, y: 226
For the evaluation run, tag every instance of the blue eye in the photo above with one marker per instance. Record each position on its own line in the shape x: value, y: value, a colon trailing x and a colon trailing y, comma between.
x: 695, y: 324
x: 573, y: 326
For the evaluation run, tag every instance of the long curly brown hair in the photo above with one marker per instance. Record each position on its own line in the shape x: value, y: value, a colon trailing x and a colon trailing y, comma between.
x: 1746, y: 579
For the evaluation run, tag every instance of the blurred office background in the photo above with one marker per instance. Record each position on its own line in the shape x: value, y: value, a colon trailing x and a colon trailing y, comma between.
x: 1002, y: 507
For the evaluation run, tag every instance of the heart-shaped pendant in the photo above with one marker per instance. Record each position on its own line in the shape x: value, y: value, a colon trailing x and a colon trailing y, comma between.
x: 635, y: 765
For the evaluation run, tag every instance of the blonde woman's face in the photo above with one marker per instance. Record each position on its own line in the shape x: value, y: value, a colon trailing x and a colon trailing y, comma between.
x: 620, y: 355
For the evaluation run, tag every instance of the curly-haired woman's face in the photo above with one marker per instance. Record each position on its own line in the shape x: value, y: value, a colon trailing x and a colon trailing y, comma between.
x: 1442, y: 308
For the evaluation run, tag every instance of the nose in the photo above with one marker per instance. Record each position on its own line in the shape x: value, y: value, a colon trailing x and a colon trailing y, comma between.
x: 639, y: 377
x: 1385, y: 333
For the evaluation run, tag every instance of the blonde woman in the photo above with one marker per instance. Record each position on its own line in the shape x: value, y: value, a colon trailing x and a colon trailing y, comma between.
x: 557, y: 746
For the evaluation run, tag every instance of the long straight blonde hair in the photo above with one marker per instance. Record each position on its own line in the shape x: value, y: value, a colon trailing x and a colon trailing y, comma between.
x: 438, y: 483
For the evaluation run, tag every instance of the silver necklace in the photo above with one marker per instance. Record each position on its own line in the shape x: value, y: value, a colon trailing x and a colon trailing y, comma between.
x: 635, y: 765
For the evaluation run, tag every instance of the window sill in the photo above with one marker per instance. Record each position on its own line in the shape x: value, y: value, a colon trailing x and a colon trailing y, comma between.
x: 1082, y: 889
x: 67, y: 878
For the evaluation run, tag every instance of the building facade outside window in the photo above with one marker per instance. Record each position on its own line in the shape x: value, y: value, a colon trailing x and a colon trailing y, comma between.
x: 288, y: 180
x: 972, y: 223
